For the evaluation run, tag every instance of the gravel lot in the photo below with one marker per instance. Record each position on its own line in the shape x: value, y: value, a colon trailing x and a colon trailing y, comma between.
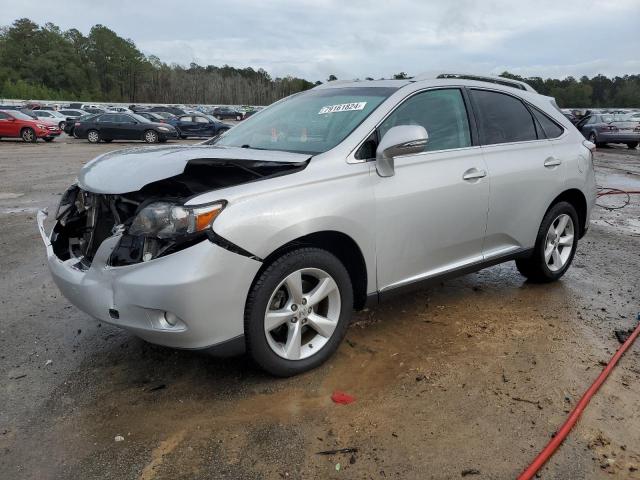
x: 470, y: 378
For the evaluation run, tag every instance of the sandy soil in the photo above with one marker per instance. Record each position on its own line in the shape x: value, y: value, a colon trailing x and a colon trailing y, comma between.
x: 467, y: 379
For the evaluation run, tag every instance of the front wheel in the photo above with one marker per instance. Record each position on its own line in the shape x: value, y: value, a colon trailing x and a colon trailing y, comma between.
x: 298, y: 311
x: 28, y: 135
x: 150, y: 136
x: 555, y: 246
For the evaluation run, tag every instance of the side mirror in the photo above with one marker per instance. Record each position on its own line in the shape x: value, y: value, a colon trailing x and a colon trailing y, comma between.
x: 400, y: 140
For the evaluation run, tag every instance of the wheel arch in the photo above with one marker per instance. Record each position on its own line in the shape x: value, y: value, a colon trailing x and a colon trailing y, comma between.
x: 337, y: 243
x: 576, y: 198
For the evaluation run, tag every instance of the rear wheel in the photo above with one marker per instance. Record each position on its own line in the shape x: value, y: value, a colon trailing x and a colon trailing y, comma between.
x: 28, y: 135
x: 632, y: 145
x: 298, y: 311
x: 150, y: 136
x: 62, y: 125
x: 555, y: 246
x: 93, y: 136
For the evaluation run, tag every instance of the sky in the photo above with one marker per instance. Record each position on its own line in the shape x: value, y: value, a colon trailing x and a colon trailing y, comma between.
x: 313, y: 39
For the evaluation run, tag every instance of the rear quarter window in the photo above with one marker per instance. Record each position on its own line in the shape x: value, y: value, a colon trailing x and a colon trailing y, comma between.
x: 502, y: 118
x: 550, y: 128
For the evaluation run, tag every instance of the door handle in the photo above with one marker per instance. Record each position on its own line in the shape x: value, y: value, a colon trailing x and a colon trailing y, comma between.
x: 552, y: 162
x: 474, y: 174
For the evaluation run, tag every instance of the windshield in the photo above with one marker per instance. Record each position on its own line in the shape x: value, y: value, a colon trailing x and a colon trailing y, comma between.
x: 311, y: 122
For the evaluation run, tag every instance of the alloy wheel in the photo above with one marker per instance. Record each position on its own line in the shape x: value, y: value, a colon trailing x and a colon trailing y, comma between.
x: 27, y: 135
x: 559, y: 242
x: 302, y: 314
x: 151, y: 137
x: 93, y: 136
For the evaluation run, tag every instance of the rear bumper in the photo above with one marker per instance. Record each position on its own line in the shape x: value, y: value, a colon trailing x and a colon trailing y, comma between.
x: 204, y: 286
x: 618, y: 137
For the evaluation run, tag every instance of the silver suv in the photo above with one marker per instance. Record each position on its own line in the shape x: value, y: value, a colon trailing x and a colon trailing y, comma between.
x: 268, y: 237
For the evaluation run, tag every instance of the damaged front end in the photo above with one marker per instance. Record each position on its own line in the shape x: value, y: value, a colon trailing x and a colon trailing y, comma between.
x: 153, y: 221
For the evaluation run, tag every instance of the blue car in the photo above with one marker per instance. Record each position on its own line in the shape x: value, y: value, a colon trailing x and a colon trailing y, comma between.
x: 198, y: 125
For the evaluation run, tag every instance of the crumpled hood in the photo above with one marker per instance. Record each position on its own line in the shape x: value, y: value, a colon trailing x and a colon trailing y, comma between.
x: 124, y: 171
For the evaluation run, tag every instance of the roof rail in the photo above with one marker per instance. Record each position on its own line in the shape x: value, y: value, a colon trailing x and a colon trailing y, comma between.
x: 507, y: 82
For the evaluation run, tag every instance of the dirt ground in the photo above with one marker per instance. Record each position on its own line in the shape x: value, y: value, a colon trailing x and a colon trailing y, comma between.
x: 467, y: 379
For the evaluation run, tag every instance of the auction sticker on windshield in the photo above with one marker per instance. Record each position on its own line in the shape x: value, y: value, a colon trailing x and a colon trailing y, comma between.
x: 343, y: 107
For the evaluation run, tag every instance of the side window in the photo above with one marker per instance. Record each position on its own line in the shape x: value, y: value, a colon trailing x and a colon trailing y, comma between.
x: 106, y: 118
x: 441, y: 112
x: 3, y: 116
x: 550, y: 128
x: 185, y: 118
x: 502, y: 118
x: 200, y: 120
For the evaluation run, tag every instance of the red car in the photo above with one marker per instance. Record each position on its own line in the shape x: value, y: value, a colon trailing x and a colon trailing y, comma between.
x: 15, y: 124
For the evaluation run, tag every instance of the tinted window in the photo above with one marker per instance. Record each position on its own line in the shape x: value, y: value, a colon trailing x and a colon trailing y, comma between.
x: 502, y: 118
x: 186, y: 118
x: 107, y: 118
x: 3, y: 116
x: 441, y: 112
x: 200, y: 120
x: 550, y: 128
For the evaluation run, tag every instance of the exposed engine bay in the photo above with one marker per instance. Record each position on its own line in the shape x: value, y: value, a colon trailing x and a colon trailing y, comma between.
x: 86, y: 219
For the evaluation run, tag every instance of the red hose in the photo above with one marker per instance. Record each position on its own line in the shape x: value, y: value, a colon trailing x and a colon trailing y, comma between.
x: 555, y: 442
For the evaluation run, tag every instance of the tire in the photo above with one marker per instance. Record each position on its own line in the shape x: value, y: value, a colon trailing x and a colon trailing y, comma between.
x: 151, y: 136
x: 219, y: 117
x: 28, y: 135
x: 48, y: 140
x: 541, y: 268
x: 632, y: 145
x: 238, y: 118
x: 272, y: 349
x: 93, y: 136
x: 61, y: 125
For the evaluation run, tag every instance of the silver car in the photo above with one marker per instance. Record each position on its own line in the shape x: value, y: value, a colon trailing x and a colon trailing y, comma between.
x: 268, y: 237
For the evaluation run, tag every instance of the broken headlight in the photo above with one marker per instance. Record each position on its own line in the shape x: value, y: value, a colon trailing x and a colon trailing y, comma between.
x: 166, y: 220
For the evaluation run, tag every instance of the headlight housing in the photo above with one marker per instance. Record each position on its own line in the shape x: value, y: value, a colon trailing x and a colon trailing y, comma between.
x: 164, y: 129
x: 167, y: 220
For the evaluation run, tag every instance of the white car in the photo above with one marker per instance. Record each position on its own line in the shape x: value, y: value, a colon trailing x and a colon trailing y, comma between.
x: 52, y: 116
x: 266, y: 239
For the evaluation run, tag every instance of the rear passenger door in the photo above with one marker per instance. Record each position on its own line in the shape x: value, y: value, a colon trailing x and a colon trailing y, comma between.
x: 431, y: 215
x: 525, y: 173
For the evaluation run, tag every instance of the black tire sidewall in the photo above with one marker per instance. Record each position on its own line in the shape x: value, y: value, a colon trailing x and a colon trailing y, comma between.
x: 89, y: 136
x: 264, y: 286
x: 553, y: 213
x: 34, y: 138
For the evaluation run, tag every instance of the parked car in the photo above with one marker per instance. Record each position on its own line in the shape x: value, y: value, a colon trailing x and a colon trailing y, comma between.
x: 94, y: 110
x: 601, y: 129
x: 199, y: 125
x: 122, y: 126
x: 70, y: 127
x: 173, y: 110
x: 52, y: 115
x: 15, y: 124
x: 222, y: 113
x: 330, y: 200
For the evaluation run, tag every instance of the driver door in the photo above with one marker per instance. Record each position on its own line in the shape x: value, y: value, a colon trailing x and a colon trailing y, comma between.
x: 432, y: 214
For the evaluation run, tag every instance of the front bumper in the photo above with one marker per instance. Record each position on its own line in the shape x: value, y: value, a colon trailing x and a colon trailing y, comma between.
x: 204, y: 286
x: 168, y: 135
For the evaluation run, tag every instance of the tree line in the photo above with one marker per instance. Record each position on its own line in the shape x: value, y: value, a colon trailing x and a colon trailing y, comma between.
x: 45, y: 62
